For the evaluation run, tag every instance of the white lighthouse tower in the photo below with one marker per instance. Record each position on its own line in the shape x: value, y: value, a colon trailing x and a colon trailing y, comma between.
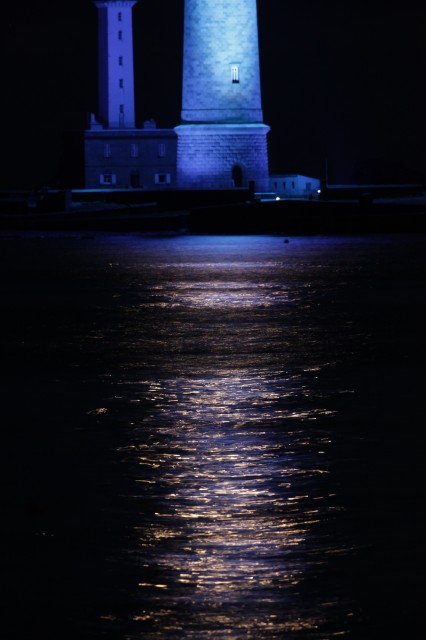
x: 116, y: 108
x: 222, y: 139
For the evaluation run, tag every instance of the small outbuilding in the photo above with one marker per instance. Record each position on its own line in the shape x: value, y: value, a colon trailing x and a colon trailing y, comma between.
x: 291, y: 185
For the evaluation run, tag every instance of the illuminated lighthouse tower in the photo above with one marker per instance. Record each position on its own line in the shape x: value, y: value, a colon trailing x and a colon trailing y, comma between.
x: 221, y: 139
x: 116, y: 80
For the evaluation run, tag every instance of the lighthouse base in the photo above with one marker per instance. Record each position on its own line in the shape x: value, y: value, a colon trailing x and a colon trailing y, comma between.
x: 222, y: 156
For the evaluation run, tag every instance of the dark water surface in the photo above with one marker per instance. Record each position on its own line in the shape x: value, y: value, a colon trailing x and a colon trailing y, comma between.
x: 213, y: 437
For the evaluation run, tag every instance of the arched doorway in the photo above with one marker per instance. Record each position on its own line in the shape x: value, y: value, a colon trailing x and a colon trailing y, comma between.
x: 237, y: 176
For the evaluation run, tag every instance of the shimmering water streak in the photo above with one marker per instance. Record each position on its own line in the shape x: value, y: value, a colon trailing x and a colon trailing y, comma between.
x: 220, y: 436
x: 238, y: 498
x: 233, y: 449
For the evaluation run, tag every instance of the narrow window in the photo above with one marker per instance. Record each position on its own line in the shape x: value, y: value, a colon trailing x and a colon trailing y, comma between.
x: 107, y: 150
x: 120, y: 16
x: 120, y: 35
x: 235, y: 74
x: 120, y: 61
x: 121, y: 83
x: 134, y: 150
x: 121, y: 108
x: 161, y: 149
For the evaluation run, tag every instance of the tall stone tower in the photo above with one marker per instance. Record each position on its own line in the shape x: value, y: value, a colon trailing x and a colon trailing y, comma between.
x: 221, y: 138
x: 116, y: 79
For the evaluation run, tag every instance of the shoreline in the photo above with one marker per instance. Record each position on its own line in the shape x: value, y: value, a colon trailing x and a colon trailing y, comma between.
x: 216, y: 216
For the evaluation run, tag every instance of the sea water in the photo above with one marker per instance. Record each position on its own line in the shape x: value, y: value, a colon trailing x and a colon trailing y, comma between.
x: 212, y: 437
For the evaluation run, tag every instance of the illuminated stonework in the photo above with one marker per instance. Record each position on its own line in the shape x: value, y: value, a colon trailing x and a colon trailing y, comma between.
x: 221, y: 139
x: 116, y: 78
x: 222, y: 156
x: 221, y: 142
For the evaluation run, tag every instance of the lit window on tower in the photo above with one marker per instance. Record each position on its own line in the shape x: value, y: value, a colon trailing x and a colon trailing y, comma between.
x: 235, y: 74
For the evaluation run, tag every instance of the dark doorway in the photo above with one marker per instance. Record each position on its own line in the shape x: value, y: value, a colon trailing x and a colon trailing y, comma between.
x: 237, y: 175
x: 135, y: 180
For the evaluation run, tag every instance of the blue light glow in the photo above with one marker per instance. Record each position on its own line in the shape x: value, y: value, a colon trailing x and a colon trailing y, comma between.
x: 116, y: 79
x: 220, y: 37
x: 221, y: 99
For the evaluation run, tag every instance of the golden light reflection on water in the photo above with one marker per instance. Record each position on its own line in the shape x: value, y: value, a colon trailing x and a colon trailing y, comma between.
x: 222, y: 295
x: 235, y: 506
x: 230, y: 458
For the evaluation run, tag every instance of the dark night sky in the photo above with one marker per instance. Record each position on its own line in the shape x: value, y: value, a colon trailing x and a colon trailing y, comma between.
x: 341, y: 80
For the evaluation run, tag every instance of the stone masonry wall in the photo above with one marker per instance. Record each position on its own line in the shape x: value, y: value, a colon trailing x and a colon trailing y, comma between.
x: 208, y: 154
x: 218, y: 35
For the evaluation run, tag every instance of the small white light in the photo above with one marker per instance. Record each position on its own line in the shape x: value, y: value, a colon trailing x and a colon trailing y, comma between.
x: 277, y: 198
